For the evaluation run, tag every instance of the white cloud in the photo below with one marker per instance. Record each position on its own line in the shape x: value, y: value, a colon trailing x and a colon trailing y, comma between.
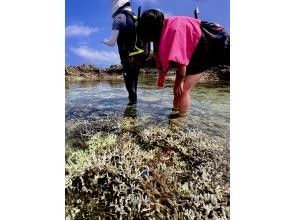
x: 79, y: 30
x: 149, y: 1
x: 167, y: 14
x: 83, y: 43
x: 96, y: 56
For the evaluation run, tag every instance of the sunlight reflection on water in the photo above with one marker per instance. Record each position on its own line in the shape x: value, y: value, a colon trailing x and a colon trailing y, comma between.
x: 209, y: 110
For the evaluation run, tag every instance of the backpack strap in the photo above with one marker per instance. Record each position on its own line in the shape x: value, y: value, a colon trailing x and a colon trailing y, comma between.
x: 136, y: 52
x: 137, y: 49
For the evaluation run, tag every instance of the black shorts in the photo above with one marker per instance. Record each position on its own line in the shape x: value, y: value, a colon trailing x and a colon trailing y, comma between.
x: 199, y: 60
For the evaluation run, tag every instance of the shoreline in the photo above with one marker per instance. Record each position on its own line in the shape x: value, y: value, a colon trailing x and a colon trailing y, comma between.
x: 88, y: 73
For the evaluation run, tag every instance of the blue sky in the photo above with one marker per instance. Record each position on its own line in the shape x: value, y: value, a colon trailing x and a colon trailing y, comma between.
x: 88, y: 22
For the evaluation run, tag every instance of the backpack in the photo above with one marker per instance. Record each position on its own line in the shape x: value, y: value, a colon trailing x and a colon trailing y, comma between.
x: 218, y: 43
x: 139, y: 45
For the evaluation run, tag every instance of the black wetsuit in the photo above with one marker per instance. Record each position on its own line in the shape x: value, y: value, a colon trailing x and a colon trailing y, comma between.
x: 126, y: 43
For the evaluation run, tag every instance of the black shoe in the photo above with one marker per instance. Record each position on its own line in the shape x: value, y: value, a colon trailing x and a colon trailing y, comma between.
x: 130, y: 112
x: 131, y: 104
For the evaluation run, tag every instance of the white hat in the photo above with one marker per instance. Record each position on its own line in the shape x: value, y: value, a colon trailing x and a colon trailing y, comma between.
x: 116, y: 4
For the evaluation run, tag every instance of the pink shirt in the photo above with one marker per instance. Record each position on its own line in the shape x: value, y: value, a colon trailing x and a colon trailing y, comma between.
x: 179, y: 38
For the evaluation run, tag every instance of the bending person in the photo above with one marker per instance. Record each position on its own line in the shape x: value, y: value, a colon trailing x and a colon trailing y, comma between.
x: 177, y: 40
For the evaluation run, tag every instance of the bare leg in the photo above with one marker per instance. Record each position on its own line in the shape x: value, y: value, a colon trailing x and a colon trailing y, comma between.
x: 185, y: 99
x: 176, y: 101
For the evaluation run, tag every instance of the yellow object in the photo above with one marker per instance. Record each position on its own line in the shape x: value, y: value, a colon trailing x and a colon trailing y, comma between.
x: 138, y: 51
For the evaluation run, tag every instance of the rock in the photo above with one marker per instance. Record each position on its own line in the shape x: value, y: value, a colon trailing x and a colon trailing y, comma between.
x: 216, y: 74
x: 84, y: 68
x: 88, y: 68
x: 82, y: 72
x: 114, y: 69
x: 151, y: 71
x: 87, y: 72
x: 70, y: 69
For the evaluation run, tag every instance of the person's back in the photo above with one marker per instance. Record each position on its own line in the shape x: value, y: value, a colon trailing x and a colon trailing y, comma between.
x: 125, y: 23
x: 179, y: 38
x: 124, y: 33
x: 127, y: 32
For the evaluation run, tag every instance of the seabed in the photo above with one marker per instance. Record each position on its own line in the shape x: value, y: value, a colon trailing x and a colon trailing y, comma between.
x: 134, y: 163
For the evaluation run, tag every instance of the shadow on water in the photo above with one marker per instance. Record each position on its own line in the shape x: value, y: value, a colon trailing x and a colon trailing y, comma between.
x: 209, y: 109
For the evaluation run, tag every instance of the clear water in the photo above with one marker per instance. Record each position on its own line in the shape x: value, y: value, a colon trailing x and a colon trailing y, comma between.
x: 209, y: 110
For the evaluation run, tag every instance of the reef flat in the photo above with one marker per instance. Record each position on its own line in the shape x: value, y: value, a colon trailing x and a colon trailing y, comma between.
x: 119, y: 168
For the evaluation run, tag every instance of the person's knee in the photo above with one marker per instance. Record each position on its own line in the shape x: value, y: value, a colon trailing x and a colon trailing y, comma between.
x: 186, y: 93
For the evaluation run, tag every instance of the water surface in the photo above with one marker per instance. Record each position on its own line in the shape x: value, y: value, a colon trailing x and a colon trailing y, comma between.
x: 209, y: 110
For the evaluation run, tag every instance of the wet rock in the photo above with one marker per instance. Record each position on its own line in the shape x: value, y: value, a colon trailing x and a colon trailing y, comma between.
x: 217, y: 74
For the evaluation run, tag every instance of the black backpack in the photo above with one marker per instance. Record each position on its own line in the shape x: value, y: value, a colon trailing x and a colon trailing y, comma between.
x: 218, y: 43
x: 139, y: 44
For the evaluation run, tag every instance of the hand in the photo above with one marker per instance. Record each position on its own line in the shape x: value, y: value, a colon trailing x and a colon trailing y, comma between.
x: 160, y: 80
x: 179, y: 88
x: 158, y: 63
x: 105, y: 41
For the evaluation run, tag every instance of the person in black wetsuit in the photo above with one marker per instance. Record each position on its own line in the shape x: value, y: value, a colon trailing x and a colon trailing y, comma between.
x: 124, y: 33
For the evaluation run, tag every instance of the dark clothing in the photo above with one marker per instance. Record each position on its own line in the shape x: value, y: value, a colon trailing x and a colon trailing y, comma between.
x: 209, y: 53
x: 126, y: 43
x: 199, y: 60
x: 119, y: 21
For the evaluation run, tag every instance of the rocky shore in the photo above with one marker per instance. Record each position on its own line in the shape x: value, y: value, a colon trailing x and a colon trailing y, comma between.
x: 87, y: 72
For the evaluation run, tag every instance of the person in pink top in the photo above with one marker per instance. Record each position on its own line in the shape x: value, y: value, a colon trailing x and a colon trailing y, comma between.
x: 177, y: 40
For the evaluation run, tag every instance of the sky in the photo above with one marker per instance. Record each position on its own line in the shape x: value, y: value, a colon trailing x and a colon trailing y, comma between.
x: 88, y: 22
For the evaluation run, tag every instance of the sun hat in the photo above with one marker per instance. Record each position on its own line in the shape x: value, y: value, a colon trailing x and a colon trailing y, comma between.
x: 120, y: 4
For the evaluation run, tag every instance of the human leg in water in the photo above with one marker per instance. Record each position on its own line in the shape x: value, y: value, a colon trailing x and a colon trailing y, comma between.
x: 184, y: 101
x: 175, y: 108
x: 131, y: 81
x: 130, y: 111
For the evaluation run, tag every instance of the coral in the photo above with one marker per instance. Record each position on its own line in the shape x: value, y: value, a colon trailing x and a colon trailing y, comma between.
x: 127, y: 170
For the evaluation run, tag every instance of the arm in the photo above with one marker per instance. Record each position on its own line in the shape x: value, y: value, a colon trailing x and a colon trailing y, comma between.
x: 112, y: 41
x: 161, y: 79
x: 118, y: 22
x: 162, y: 74
x: 181, y: 73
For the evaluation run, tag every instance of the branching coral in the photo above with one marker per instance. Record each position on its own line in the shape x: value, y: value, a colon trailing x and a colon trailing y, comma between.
x: 139, y: 172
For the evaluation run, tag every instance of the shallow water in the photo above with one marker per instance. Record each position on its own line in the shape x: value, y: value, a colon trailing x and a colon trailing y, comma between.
x: 209, y: 110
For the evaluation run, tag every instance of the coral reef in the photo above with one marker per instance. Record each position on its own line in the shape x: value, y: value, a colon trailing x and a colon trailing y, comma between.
x: 119, y: 168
